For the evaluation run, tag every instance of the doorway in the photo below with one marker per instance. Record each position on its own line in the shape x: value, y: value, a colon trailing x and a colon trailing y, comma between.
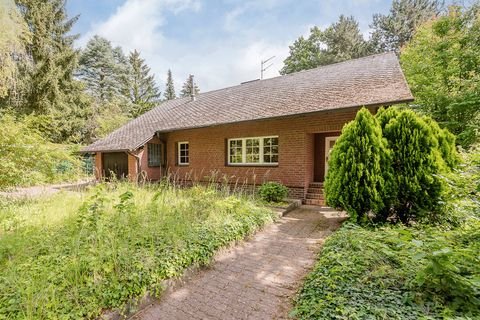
x: 324, y: 143
x: 115, y: 165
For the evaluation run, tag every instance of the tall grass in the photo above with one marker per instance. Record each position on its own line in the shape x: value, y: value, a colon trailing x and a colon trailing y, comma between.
x: 74, y: 255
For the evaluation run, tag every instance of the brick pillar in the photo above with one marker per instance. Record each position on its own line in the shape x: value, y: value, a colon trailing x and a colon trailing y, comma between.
x: 98, y: 166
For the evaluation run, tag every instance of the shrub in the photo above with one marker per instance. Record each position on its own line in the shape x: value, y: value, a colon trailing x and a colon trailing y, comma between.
x: 358, y: 174
x: 421, y: 151
x: 273, y: 192
x: 390, y: 165
x: 26, y: 158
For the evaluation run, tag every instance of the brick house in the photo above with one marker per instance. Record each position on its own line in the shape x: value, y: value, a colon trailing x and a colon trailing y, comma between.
x: 279, y: 129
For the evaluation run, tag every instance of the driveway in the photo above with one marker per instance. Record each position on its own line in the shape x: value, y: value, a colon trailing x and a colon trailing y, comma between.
x: 256, y: 279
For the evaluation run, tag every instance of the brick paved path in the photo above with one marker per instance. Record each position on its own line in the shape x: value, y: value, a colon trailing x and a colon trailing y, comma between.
x: 256, y: 279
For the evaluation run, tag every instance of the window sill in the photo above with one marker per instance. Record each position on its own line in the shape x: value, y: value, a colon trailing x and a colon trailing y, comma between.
x: 260, y: 165
x: 182, y: 164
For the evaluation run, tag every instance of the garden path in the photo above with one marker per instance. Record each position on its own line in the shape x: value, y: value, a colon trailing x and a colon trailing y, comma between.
x: 256, y: 279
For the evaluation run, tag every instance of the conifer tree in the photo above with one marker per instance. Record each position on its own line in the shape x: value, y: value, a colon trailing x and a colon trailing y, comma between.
x: 169, y: 88
x: 104, y: 69
x: 358, y: 169
x: 142, y: 89
x: 50, y: 80
x: 187, y: 87
x: 418, y: 161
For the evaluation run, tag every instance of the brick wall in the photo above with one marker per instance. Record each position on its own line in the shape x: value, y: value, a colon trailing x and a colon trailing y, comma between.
x: 208, y: 149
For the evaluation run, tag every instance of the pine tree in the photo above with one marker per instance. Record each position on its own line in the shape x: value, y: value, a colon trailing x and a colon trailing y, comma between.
x: 339, y: 42
x: 394, y: 30
x: 142, y: 89
x: 169, y: 88
x: 50, y: 79
x: 104, y: 69
x: 358, y: 175
x: 187, y: 87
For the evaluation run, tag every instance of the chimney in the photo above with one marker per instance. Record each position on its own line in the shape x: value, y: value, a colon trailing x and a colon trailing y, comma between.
x: 192, y: 86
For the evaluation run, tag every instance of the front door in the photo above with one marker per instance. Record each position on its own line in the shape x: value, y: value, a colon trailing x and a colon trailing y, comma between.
x: 329, y: 143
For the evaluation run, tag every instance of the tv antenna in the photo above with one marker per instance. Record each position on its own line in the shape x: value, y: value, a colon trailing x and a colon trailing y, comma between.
x: 263, y: 67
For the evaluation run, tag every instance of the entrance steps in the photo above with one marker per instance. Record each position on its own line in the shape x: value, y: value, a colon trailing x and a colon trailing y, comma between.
x: 315, y: 194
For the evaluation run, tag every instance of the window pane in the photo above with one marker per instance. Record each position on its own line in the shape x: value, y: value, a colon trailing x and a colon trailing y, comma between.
x: 183, y: 153
x: 154, y: 154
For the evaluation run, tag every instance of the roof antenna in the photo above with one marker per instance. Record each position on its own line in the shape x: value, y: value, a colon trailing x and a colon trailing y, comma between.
x: 263, y: 68
x: 192, y: 88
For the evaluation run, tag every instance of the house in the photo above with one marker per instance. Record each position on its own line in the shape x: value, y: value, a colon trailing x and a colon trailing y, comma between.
x: 279, y: 129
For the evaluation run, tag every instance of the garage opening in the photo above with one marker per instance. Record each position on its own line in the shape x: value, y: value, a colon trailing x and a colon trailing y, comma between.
x: 115, y: 165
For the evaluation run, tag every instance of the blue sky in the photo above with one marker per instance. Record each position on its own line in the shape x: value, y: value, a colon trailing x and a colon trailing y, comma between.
x: 221, y: 42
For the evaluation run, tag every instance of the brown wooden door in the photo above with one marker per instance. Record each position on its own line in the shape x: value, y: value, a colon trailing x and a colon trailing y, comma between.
x: 115, y: 164
x: 323, y: 144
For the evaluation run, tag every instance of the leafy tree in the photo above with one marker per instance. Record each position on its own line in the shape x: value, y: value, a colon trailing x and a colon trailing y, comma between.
x: 418, y: 159
x: 14, y: 36
x: 169, y: 88
x: 441, y: 64
x: 50, y: 80
x: 104, y: 69
x: 187, y: 87
x: 339, y: 42
x: 394, y: 30
x: 358, y: 170
x: 142, y: 89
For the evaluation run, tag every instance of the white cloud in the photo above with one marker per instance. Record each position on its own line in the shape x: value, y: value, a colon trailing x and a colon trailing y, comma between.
x: 215, y: 61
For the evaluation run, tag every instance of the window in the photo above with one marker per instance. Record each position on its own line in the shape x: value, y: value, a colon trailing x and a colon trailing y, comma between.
x: 183, y: 154
x: 154, y: 154
x: 251, y: 151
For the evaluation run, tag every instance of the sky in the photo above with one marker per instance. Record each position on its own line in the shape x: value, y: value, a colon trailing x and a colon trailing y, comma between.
x: 220, y: 42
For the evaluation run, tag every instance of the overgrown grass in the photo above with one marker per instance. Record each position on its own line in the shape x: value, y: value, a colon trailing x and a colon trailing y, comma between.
x: 73, y: 255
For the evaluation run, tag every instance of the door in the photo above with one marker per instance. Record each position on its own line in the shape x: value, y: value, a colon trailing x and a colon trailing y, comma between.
x: 115, y: 164
x: 329, y: 143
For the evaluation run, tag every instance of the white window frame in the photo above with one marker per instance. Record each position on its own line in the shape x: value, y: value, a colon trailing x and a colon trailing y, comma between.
x: 179, y: 144
x: 244, y: 152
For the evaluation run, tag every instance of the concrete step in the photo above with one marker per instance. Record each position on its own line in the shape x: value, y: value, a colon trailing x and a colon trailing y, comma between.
x: 316, y: 185
x: 315, y: 190
x: 318, y: 196
x: 314, y: 202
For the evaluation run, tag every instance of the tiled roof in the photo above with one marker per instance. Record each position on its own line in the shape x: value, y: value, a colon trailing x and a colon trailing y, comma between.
x: 372, y: 80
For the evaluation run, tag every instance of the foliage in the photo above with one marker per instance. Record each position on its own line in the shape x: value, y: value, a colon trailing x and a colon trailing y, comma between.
x: 395, y: 29
x: 71, y: 256
x: 103, y: 69
x: 339, y: 42
x: 417, y: 162
x: 394, y: 273
x: 273, y: 192
x: 141, y: 88
x: 169, y: 87
x: 14, y: 36
x: 441, y: 65
x: 26, y: 158
x: 359, y: 168
x: 392, y: 168
x: 49, y: 83
x: 187, y: 87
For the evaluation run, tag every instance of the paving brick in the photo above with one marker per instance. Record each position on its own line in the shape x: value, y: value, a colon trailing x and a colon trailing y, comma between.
x: 258, y: 278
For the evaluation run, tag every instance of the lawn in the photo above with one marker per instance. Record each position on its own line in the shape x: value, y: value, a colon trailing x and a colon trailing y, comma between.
x: 74, y: 255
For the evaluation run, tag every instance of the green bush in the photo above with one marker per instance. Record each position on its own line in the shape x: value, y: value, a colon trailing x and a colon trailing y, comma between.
x: 26, y: 158
x: 73, y: 255
x: 359, y: 168
x: 273, y: 192
x: 390, y: 166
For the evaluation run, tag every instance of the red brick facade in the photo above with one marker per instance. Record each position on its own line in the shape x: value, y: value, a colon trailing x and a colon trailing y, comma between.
x: 208, y: 151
